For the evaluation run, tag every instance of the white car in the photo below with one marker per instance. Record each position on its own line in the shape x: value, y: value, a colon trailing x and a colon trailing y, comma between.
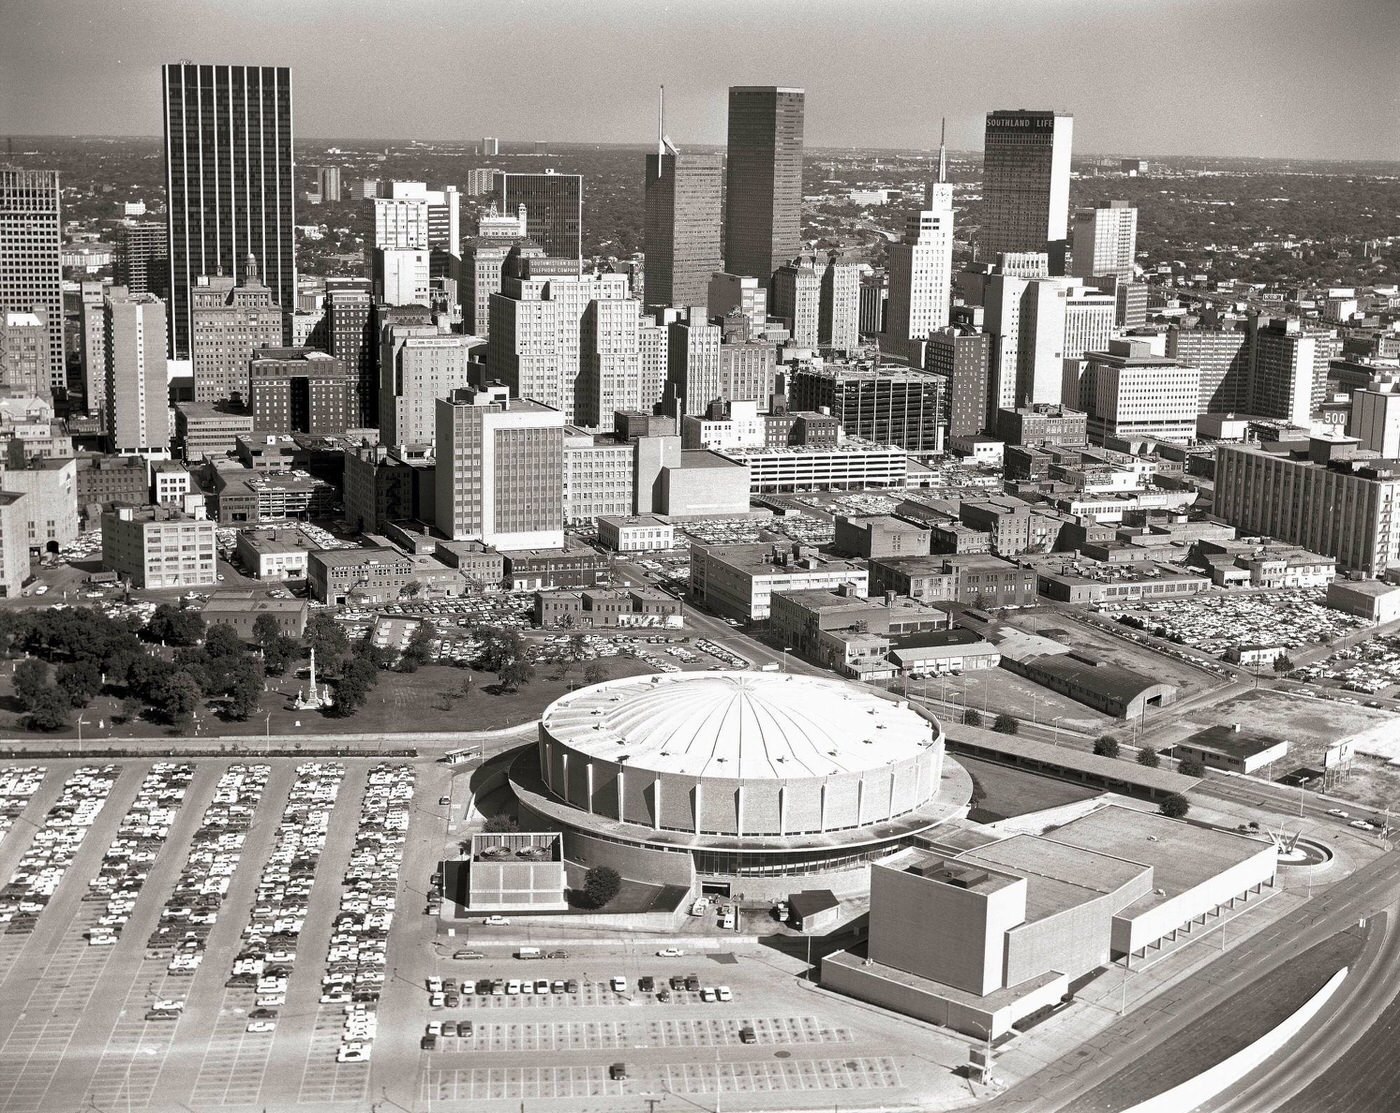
x: 724, y: 993
x: 1361, y: 825
x: 670, y: 952
x: 497, y: 921
x: 708, y: 993
x: 261, y: 1026
x: 619, y: 984
x: 1338, y: 813
x: 350, y: 1054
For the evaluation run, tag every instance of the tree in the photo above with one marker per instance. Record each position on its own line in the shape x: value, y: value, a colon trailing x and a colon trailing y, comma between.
x: 514, y: 673
x: 1006, y: 724
x: 327, y: 637
x: 972, y: 717
x: 600, y: 885
x: 176, y: 697
x: 244, y: 689
x: 278, y: 653
x: 1175, y: 806
x: 1283, y: 664
x: 594, y: 672
x: 49, y: 711
x: 30, y: 679
x: 499, y: 824
x: 419, y: 650
x: 575, y: 650
x: 1191, y: 767
x: 1149, y: 757
x: 80, y: 681
x: 222, y: 640
x: 173, y: 625
x: 356, y: 682
x: 266, y: 629
x: 1105, y: 745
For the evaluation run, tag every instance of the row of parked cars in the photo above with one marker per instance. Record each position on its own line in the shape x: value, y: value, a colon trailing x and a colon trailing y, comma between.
x: 134, y: 847
x: 215, y: 851
x: 55, y: 844
x: 284, y: 889
x: 18, y: 784
x: 354, y: 973
x: 449, y: 993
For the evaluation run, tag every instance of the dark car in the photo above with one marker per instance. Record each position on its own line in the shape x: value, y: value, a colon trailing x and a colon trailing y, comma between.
x: 617, y: 1072
x: 677, y: 982
x: 747, y: 1035
x: 692, y: 983
x: 571, y: 986
x: 464, y: 1028
x: 451, y: 1000
x: 646, y: 984
x: 428, y: 1043
x: 557, y: 954
x: 461, y: 955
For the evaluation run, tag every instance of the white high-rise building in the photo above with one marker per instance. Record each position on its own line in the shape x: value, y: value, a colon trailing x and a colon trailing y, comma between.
x: 1375, y: 418
x: 1105, y: 241
x: 535, y: 334
x: 138, y: 400
x: 417, y: 366
x: 610, y: 361
x: 401, y: 276
x: 796, y: 299
x: 1089, y: 319
x: 653, y: 345
x: 1026, y: 319
x: 1128, y: 392
x: 921, y: 273
x: 31, y: 238
x: 413, y: 216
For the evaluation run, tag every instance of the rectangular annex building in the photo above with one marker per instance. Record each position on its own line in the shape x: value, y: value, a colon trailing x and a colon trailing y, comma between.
x: 985, y: 938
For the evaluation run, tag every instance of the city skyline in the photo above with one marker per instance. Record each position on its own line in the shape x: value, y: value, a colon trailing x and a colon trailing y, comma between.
x: 1215, y: 69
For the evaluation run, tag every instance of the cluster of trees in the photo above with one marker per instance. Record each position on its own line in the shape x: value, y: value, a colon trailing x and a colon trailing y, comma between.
x: 504, y: 652
x: 600, y: 885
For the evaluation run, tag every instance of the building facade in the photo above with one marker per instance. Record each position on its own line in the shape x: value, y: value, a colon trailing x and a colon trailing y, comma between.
x: 298, y: 390
x: 1025, y: 181
x: 682, y: 225
x: 228, y: 174
x: 31, y: 244
x: 553, y: 208
x: 228, y: 320
x: 159, y: 547
x: 138, y: 406
x: 1105, y: 241
x: 763, y: 180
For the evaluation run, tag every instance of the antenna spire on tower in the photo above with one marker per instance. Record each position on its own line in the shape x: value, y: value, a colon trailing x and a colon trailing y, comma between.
x: 661, y: 122
x: 943, y: 151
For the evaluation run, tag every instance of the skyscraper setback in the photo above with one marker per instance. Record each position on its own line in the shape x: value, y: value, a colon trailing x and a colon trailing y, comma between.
x: 763, y: 179
x: 228, y: 176
x: 682, y: 223
x: 31, y: 275
x: 1025, y: 183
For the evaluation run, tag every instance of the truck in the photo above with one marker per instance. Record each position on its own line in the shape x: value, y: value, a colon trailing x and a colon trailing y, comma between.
x: 529, y: 952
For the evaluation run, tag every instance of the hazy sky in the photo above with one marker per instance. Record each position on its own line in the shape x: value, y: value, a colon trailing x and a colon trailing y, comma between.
x: 1295, y: 78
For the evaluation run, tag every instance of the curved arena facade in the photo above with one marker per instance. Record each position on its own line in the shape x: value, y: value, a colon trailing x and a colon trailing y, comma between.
x: 736, y: 775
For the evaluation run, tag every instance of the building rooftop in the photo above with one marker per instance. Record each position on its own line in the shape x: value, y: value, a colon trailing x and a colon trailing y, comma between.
x: 1109, y: 770
x: 1182, y: 855
x: 246, y: 603
x: 1058, y: 876
x: 1231, y: 742
x: 767, y: 726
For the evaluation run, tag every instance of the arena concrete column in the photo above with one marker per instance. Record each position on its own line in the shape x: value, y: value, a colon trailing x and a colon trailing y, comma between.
x: 621, y: 795
x: 782, y: 810
x: 739, y: 810
x: 656, y: 802
x: 698, y: 805
x: 588, y: 785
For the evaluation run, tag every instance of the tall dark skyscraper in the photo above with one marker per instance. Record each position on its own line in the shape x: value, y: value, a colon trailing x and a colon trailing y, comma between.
x: 351, y: 337
x: 763, y: 182
x: 1025, y: 183
x: 31, y: 272
x: 553, y: 209
x: 682, y: 223
x: 228, y: 180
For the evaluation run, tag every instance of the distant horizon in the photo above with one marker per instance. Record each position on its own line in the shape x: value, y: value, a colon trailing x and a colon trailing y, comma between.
x: 643, y: 146
x: 1267, y: 79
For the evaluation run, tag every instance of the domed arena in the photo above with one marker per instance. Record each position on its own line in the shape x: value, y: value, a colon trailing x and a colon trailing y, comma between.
x: 738, y: 775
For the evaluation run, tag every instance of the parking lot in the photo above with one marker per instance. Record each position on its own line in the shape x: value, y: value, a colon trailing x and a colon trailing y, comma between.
x: 274, y: 952
x: 1293, y: 618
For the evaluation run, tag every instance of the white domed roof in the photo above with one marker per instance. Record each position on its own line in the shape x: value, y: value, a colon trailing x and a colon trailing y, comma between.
x: 738, y: 725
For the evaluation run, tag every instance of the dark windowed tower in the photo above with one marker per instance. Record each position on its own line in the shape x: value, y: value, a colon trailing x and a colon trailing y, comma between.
x: 763, y: 181
x: 553, y: 209
x: 682, y: 223
x: 228, y: 181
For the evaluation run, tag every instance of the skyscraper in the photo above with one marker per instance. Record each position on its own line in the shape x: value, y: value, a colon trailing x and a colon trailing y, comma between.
x: 412, y: 215
x: 1025, y: 183
x: 500, y: 471
x: 31, y: 241
x: 228, y: 180
x: 138, y: 404
x: 24, y: 354
x: 350, y: 338
x: 553, y: 209
x: 838, y: 326
x: 921, y: 271
x: 142, y: 265
x: 1105, y: 241
x: 330, y: 183
x: 417, y: 366
x: 763, y: 180
x: 797, y: 296
x: 682, y: 222
x: 298, y: 390
x: 228, y: 320
x: 960, y: 354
